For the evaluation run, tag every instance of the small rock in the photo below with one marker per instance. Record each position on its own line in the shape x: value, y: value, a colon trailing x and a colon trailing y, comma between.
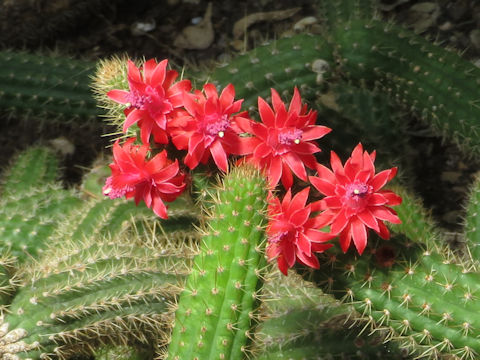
x: 475, y: 38
x: 197, y: 37
x: 423, y: 15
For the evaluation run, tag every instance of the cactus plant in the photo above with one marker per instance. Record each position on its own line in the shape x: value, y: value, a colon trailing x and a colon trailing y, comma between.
x: 216, y: 307
x: 412, y: 290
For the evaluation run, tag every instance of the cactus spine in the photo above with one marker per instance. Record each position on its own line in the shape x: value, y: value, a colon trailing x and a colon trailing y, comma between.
x: 214, y: 314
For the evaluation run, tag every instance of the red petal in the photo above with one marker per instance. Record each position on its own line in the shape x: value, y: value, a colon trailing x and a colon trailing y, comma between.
x: 282, y: 265
x: 219, y: 155
x: 296, y: 164
x: 303, y: 244
x: 306, y: 148
x: 145, y: 131
x: 333, y: 202
x: 314, y: 132
x: 322, y: 185
x: 296, y: 102
x: 159, y: 73
x: 339, y: 223
x: 325, y: 173
x: 368, y: 219
x: 159, y: 208
x: 300, y: 217
x: 359, y: 234
x: 380, y: 180
x: 262, y: 151
x: 377, y: 199
x: 168, y: 83
x: 266, y: 113
x: 275, y: 171
x: 385, y: 213
x: 335, y: 163
x: 132, y: 118
x: 299, y: 200
x: 278, y: 105
x: 246, y: 145
x: 289, y: 253
x: 287, y: 177
x: 227, y: 96
x: 119, y: 96
x: 133, y: 72
x: 211, y: 91
x: 392, y: 198
x: 148, y: 68
x: 345, y: 239
x: 384, y: 233
x: 318, y: 236
x: 245, y: 124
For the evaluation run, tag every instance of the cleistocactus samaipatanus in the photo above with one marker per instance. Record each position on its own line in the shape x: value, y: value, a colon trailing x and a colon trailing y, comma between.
x: 413, y: 290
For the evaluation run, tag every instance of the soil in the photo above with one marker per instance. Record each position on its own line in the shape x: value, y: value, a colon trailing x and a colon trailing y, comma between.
x: 95, y: 29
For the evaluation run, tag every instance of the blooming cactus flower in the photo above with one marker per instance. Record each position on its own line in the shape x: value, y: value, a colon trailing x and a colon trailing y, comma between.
x: 153, y: 181
x: 283, y: 142
x: 354, y: 201
x: 152, y: 98
x: 208, y: 127
x: 291, y: 232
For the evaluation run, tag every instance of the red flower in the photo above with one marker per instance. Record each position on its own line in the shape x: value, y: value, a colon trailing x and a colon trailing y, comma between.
x: 155, y: 180
x: 152, y: 98
x: 291, y: 234
x: 283, y: 141
x: 354, y: 201
x: 208, y: 127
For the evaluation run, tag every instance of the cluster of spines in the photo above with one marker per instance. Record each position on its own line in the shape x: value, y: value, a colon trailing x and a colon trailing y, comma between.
x: 216, y: 309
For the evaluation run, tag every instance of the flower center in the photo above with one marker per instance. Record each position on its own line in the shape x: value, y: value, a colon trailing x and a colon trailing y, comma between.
x: 215, y: 125
x: 151, y: 100
x: 114, y: 193
x: 138, y: 100
x: 278, y: 237
x: 290, y: 136
x: 356, y: 195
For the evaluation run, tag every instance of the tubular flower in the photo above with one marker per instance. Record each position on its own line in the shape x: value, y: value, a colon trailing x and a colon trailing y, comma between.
x: 208, y: 127
x: 153, y: 181
x: 353, y: 200
x: 152, y: 98
x: 282, y: 142
x: 291, y: 232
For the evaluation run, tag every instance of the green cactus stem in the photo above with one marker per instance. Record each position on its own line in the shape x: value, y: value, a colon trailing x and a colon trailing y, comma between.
x: 300, y: 322
x: 48, y: 90
x: 412, y: 288
x: 27, y: 219
x: 472, y: 221
x: 33, y: 167
x: 93, y: 292
x: 438, y: 85
x: 214, y: 315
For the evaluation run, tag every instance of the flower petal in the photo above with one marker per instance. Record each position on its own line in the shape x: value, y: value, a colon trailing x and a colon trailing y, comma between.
x: 359, y: 234
x: 266, y: 113
x: 219, y: 155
